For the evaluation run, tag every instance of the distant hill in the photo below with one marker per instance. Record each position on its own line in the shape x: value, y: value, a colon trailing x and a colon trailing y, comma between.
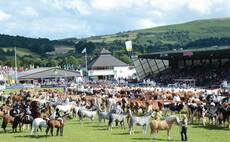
x: 168, y: 37
x: 195, y: 34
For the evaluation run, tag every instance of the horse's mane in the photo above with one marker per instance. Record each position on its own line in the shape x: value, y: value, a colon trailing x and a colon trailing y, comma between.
x: 172, y: 118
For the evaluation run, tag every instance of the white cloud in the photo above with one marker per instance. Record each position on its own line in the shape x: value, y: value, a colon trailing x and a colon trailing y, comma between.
x: 4, y: 16
x: 81, y: 6
x: 145, y: 23
x: 29, y: 11
x: 110, y: 5
x: 66, y: 18
x: 201, y: 6
x: 166, y: 6
x: 105, y: 4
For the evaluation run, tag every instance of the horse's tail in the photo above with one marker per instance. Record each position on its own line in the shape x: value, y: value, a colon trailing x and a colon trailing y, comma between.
x: 151, y: 127
x: 110, y: 120
x: 80, y: 114
x: 4, y: 124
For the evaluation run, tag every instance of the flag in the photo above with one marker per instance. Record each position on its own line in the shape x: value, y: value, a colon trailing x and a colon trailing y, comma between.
x: 188, y: 53
x: 128, y: 45
x: 83, y: 51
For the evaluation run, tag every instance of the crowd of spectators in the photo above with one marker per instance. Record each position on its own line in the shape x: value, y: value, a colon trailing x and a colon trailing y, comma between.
x: 204, y: 75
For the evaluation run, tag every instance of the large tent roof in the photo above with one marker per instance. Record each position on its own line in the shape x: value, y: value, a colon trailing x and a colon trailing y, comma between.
x: 200, y: 53
x: 106, y: 60
x: 47, y: 72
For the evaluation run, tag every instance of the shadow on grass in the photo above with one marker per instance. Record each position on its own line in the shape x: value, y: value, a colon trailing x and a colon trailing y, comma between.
x: 141, y: 139
x: 121, y: 134
x: 102, y: 129
x: 211, y: 127
x: 29, y: 136
x: 94, y: 126
x: 9, y: 132
x: 156, y: 139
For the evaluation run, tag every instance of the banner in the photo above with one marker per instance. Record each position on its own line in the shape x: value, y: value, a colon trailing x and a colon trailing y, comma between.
x: 188, y: 53
x: 128, y: 45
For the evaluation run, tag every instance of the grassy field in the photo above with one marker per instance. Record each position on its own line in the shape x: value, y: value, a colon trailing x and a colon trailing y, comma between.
x: 21, y: 51
x: 92, y: 132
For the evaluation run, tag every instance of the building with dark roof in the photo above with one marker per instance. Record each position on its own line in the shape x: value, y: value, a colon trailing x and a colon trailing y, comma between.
x: 43, y: 73
x: 106, y: 66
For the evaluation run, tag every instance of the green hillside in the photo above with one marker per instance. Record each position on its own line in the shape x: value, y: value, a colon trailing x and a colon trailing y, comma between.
x: 196, y: 34
x: 161, y: 38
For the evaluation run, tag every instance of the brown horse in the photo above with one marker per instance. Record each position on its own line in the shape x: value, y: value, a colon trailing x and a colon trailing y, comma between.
x: 53, y: 123
x: 56, y: 123
x: 6, y: 120
x: 22, y: 120
x: 166, y: 124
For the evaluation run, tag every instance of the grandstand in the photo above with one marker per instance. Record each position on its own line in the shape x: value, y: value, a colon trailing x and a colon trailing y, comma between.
x: 206, y: 66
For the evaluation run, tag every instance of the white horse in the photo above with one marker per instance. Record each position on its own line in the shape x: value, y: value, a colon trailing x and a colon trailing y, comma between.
x: 87, y: 113
x: 117, y: 117
x: 65, y: 108
x: 103, y: 115
x: 142, y: 121
x: 37, y: 122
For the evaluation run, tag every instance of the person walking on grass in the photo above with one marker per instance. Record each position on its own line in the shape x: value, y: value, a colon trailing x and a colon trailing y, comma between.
x: 184, y: 127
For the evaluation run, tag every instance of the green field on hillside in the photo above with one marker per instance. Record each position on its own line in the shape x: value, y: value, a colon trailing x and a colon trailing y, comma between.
x: 21, y: 51
x: 92, y: 132
x: 197, y: 30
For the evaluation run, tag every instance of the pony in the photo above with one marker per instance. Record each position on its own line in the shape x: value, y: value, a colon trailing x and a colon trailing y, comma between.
x: 103, y: 115
x: 142, y: 121
x: 55, y: 123
x: 65, y: 108
x: 25, y: 120
x: 86, y: 113
x: 173, y: 107
x: 8, y: 119
x: 156, y: 125
x: 198, y: 110
x: 118, y: 118
x: 76, y: 109
x: 36, y: 124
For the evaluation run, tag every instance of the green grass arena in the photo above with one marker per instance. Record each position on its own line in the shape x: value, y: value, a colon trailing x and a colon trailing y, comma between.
x: 95, y: 132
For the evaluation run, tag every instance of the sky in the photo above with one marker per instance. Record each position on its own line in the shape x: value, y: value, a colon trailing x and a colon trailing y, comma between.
x: 58, y: 19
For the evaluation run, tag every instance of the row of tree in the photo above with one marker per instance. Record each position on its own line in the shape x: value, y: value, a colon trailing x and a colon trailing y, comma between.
x: 117, y: 48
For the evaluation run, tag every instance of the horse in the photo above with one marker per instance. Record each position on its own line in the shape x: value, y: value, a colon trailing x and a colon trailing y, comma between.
x: 118, y: 118
x: 223, y: 114
x: 196, y: 109
x: 212, y: 110
x: 25, y: 120
x: 103, y: 115
x: 55, y: 124
x: 156, y: 125
x: 174, y: 107
x: 36, y: 124
x: 1, y: 113
x: 76, y: 109
x: 142, y: 121
x: 86, y: 113
x: 65, y: 108
x: 8, y: 119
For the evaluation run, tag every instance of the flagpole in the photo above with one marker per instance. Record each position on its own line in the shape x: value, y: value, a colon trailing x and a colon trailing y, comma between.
x: 15, y: 63
x: 86, y: 66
